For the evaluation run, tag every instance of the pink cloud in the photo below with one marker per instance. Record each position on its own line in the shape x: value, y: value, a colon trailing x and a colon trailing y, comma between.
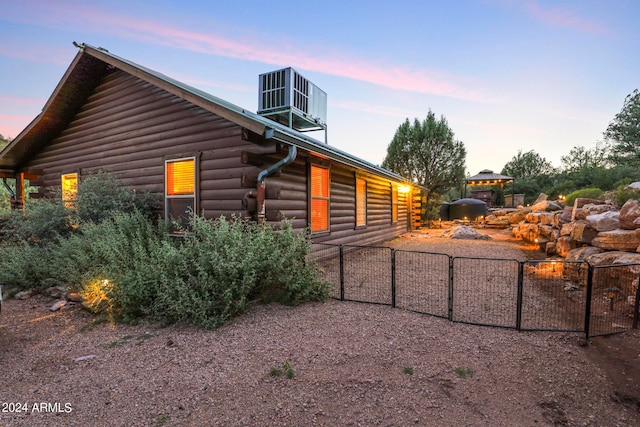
x: 22, y: 101
x: 562, y: 18
x: 11, y: 126
x: 336, y: 63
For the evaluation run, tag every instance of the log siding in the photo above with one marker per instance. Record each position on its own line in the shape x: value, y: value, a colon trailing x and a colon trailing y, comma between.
x: 131, y: 127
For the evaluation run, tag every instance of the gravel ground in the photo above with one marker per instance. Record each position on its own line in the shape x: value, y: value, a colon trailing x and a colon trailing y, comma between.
x: 350, y: 363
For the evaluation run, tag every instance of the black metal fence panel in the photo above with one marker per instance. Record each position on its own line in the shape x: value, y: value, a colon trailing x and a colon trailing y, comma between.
x: 422, y: 282
x: 613, y: 296
x: 549, y: 295
x: 554, y: 295
x: 327, y: 258
x: 485, y: 291
x: 367, y: 274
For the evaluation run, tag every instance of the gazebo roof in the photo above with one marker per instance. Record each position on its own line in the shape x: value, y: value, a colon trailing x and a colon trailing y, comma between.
x: 487, y: 177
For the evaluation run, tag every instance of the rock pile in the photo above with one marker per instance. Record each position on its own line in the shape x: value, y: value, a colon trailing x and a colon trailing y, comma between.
x: 596, y: 231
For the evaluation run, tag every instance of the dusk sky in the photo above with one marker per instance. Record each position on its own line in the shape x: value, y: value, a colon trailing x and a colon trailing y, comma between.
x: 508, y: 75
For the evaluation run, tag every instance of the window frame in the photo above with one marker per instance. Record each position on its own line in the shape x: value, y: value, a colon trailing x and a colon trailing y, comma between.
x: 361, y: 202
x: 69, y: 203
x: 394, y: 203
x: 192, y: 196
x: 312, y: 197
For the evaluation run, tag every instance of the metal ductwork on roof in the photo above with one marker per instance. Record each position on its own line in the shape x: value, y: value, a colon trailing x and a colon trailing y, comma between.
x: 287, y: 97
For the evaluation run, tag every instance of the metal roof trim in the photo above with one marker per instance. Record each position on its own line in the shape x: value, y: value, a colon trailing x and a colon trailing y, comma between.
x: 283, y: 133
x: 216, y: 105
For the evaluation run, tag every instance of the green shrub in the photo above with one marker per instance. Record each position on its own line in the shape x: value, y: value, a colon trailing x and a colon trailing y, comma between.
x: 133, y: 268
x: 589, y: 193
x: 223, y: 265
x: 44, y: 220
x: 26, y: 266
x: 102, y: 193
x: 127, y: 265
x: 624, y: 193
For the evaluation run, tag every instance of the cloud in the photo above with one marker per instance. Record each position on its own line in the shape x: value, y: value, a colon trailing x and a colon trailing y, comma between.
x: 23, y: 101
x: 556, y: 16
x: 11, y: 126
x: 370, y: 108
x: 332, y: 61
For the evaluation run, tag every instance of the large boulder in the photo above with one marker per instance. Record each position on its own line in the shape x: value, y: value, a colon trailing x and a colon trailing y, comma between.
x: 576, y: 270
x: 579, y: 203
x: 516, y: 217
x: 566, y: 215
x: 548, y: 232
x: 629, y: 213
x: 605, y: 221
x: 623, y: 276
x: 617, y: 240
x: 541, y: 198
x: 583, y: 253
x: 597, y: 208
x: 567, y: 228
x: 583, y: 232
x: 465, y: 232
x: 546, y: 206
x: 564, y: 245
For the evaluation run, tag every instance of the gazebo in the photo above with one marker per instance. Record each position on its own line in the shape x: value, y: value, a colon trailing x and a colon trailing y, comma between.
x: 487, y: 178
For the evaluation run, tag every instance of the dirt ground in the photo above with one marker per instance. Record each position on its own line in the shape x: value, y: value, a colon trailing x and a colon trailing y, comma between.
x: 349, y: 363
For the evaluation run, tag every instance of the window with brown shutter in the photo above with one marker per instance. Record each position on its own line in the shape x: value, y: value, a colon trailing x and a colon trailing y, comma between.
x: 319, y: 215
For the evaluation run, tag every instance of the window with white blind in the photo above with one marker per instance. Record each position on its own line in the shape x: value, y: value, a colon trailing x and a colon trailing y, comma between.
x: 180, y: 189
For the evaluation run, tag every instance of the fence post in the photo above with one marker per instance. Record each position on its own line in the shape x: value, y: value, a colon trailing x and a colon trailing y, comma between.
x: 519, y: 296
x: 636, y: 306
x: 341, y: 273
x: 393, y: 278
x: 450, y: 308
x: 587, y: 309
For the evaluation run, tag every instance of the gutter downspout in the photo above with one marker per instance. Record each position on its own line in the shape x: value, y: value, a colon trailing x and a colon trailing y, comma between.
x: 261, y: 186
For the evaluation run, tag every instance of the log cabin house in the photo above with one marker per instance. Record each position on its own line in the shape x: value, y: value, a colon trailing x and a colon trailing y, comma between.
x: 198, y: 151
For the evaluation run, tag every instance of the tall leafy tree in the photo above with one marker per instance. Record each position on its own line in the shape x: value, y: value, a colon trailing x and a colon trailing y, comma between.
x: 581, y: 158
x: 427, y: 153
x: 624, y: 132
x: 529, y: 164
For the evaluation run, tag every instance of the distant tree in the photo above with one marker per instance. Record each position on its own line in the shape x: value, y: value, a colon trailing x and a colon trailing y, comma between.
x: 581, y: 158
x: 3, y: 142
x: 624, y: 132
x: 426, y: 153
x: 529, y: 164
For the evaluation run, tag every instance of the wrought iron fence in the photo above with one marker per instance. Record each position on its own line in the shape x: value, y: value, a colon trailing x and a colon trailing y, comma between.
x: 549, y: 295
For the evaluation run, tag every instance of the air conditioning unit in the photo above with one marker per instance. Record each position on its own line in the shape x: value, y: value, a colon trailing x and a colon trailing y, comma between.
x: 287, y: 97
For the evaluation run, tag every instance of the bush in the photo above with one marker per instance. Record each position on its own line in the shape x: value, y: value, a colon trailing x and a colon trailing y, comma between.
x: 589, y: 193
x: 126, y: 264
x: 44, y: 220
x: 26, y: 266
x: 101, y: 193
x: 132, y: 268
x: 625, y: 193
x: 224, y: 265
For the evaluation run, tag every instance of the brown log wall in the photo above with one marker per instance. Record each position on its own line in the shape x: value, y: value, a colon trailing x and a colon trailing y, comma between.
x: 130, y: 127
